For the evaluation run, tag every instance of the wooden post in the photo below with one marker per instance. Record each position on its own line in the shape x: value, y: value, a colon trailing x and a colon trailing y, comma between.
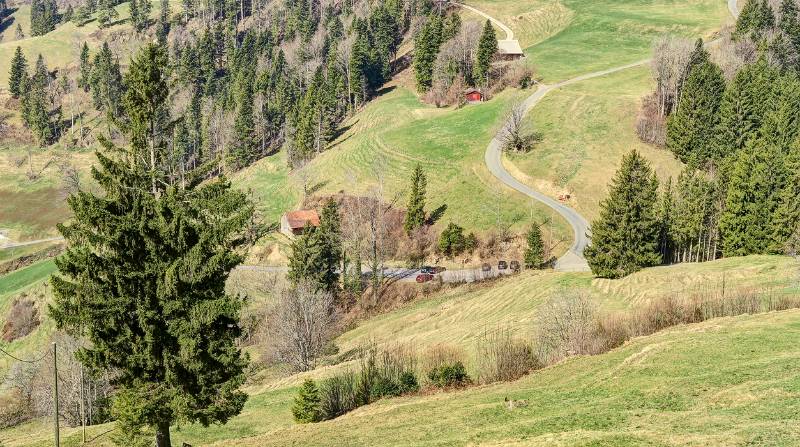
x: 55, y: 394
x: 83, y: 410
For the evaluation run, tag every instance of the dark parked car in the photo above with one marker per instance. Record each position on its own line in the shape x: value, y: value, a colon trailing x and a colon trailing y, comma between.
x: 424, y: 277
x: 502, y: 265
x: 514, y: 265
x: 486, y: 267
x: 428, y: 269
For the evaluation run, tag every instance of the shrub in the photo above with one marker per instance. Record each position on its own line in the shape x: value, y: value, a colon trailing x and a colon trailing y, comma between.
x: 452, y: 241
x: 566, y: 326
x: 337, y: 395
x: 651, y: 126
x: 307, y: 403
x: 380, y: 374
x: 501, y: 357
x: 449, y: 375
x: 22, y: 319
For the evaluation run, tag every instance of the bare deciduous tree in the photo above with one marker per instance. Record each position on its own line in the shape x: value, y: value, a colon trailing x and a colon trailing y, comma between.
x: 565, y: 326
x: 670, y: 59
x: 300, y: 325
x: 515, y: 135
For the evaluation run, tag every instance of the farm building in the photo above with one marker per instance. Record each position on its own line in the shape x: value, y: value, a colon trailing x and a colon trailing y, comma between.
x: 293, y: 222
x: 473, y: 95
x: 509, y: 50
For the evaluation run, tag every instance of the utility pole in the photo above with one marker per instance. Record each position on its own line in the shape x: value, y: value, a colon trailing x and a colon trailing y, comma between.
x: 55, y: 393
x: 83, y: 411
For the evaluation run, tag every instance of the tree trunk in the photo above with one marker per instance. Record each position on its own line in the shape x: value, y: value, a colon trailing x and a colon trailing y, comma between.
x: 162, y: 435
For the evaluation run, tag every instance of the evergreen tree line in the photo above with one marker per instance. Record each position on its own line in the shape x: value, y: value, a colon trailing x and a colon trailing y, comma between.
x: 251, y: 92
x: 38, y: 98
x: 738, y: 194
x: 441, y: 46
x: 44, y: 17
x: 776, y: 32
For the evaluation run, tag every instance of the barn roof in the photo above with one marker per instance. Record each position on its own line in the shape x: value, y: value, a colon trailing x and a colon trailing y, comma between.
x: 298, y: 219
x: 509, y: 47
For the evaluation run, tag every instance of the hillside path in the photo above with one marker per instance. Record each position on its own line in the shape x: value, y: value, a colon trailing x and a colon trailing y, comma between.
x: 501, y: 25
x: 573, y: 259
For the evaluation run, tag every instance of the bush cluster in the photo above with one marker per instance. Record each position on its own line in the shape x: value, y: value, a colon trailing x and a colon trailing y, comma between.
x: 380, y: 374
x: 449, y: 375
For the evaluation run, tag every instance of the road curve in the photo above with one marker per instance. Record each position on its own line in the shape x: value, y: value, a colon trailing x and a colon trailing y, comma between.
x: 509, y: 32
x: 573, y: 259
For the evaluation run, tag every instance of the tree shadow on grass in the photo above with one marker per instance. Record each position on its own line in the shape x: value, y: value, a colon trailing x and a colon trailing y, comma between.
x: 5, y: 24
x: 339, y: 132
x: 316, y: 187
x: 385, y: 90
x: 436, y: 214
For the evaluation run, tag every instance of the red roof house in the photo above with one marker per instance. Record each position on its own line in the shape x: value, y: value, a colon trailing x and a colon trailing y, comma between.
x: 293, y: 222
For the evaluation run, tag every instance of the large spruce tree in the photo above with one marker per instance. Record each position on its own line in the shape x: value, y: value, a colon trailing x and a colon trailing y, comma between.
x: 534, y: 252
x: 756, y: 181
x: 691, y: 128
x: 415, y: 211
x: 487, y: 48
x: 426, y: 49
x: 786, y: 220
x: 743, y: 107
x: 143, y: 277
x: 625, y: 238
x: 36, y: 109
x: 781, y: 123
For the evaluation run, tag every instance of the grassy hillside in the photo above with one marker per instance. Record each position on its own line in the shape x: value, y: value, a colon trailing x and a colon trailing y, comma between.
x: 32, y: 281
x: 62, y: 46
x: 723, y: 372
x: 383, y: 142
x: 730, y: 381
x: 587, y: 128
x: 565, y: 38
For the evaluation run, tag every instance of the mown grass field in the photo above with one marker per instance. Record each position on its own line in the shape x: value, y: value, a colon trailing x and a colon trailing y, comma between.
x: 565, y: 38
x: 32, y: 281
x: 723, y: 382
x: 587, y: 128
x: 381, y: 146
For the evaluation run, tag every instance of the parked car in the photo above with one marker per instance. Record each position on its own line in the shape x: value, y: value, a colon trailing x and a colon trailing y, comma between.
x: 514, y: 265
x: 428, y: 269
x: 485, y: 267
x: 424, y: 277
x: 502, y: 265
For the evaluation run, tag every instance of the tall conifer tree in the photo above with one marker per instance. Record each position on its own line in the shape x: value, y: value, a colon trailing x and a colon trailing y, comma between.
x: 143, y: 278
x: 487, y: 48
x: 426, y: 49
x: 757, y: 178
x: 19, y: 70
x: 534, y: 252
x: 415, y: 211
x: 786, y: 220
x: 691, y: 128
x: 625, y: 238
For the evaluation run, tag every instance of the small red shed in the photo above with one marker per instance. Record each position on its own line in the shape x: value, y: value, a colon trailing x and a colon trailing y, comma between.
x: 473, y: 95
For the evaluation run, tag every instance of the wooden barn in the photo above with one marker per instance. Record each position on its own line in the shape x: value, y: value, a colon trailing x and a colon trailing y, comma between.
x: 509, y: 50
x: 473, y: 95
x: 293, y: 222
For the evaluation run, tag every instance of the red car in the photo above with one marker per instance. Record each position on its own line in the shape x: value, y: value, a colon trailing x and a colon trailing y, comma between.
x: 424, y: 277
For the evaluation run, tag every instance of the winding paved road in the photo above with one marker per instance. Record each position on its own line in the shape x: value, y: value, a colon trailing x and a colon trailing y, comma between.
x: 573, y: 259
